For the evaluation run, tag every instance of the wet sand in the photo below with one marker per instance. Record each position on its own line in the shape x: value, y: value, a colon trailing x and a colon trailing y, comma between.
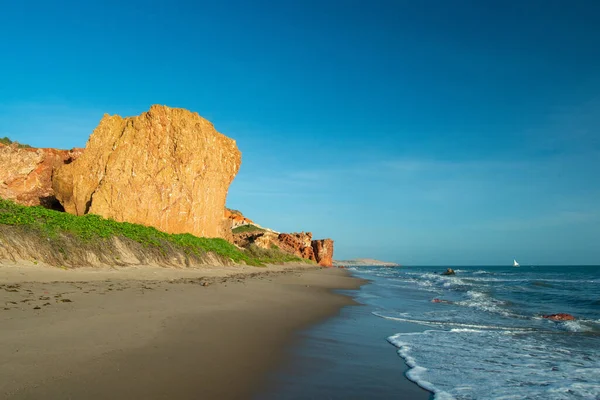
x: 346, y: 357
x: 155, y: 333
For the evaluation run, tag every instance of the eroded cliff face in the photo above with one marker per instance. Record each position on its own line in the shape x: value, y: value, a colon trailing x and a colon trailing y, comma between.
x: 235, y: 218
x: 300, y: 244
x: 323, y: 250
x: 168, y: 168
x: 26, y: 173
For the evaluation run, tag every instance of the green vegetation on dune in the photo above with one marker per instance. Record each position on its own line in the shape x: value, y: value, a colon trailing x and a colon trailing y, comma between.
x: 247, y: 228
x: 6, y: 141
x: 274, y: 255
x: 89, y: 228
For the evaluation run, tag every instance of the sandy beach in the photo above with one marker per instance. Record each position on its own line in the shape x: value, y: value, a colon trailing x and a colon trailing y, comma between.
x: 155, y: 333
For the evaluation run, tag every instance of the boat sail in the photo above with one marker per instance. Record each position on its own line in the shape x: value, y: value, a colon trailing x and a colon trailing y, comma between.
x: 515, y: 263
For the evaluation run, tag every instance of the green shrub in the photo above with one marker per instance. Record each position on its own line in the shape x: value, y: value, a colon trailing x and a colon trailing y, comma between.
x: 272, y: 255
x: 6, y: 141
x: 247, y: 228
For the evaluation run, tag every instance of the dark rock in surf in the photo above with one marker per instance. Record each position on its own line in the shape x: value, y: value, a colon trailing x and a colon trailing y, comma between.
x: 559, y: 317
x: 449, y: 271
x: 436, y: 300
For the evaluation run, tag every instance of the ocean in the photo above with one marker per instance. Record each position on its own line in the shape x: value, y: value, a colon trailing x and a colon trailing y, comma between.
x: 485, y: 339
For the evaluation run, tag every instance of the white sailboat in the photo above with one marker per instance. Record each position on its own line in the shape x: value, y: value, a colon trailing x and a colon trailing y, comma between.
x: 515, y: 263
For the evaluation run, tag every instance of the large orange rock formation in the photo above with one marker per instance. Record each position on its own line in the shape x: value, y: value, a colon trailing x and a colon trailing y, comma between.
x: 168, y: 168
x: 26, y: 173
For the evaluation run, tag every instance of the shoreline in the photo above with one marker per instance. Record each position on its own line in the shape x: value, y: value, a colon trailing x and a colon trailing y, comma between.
x: 347, y: 356
x: 213, y: 332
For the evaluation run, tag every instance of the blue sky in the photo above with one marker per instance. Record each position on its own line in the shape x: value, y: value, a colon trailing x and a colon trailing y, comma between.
x: 431, y: 132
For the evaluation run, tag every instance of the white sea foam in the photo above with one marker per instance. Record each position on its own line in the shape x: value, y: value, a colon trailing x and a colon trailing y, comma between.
x: 580, y: 325
x: 418, y: 374
x: 448, y: 324
x: 575, y: 326
x: 446, y: 281
x: 499, y: 364
x: 484, y: 302
x: 411, y: 283
x: 481, y: 272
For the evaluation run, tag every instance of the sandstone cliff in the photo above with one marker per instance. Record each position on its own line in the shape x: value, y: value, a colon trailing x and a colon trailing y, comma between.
x: 298, y: 244
x: 26, y: 173
x: 168, y: 168
x: 323, y: 250
x: 236, y: 218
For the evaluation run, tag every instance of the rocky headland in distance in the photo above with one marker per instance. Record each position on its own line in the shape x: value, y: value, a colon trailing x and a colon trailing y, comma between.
x: 364, y: 262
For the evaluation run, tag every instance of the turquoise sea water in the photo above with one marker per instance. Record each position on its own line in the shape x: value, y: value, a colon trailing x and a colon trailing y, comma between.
x: 487, y: 340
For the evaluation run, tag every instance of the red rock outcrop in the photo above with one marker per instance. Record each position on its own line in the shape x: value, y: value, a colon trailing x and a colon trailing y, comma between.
x: 26, y: 173
x: 298, y: 244
x: 436, y: 300
x: 323, y: 251
x: 168, y: 168
x: 236, y: 218
x: 559, y: 317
